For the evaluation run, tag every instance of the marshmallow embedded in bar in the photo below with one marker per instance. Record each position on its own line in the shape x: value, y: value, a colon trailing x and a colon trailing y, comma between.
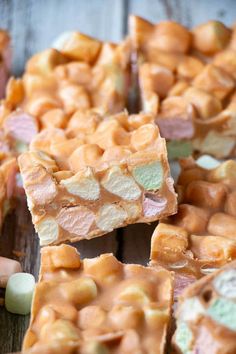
x: 5, y: 60
x: 187, y: 79
x: 82, y: 185
x: 206, y: 315
x: 98, y: 305
x: 201, y: 237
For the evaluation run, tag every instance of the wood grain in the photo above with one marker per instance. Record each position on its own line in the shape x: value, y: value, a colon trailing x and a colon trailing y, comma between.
x: 189, y: 12
x: 33, y: 25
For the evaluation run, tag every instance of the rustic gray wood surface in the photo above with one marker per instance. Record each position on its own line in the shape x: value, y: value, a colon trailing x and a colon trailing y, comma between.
x: 33, y: 25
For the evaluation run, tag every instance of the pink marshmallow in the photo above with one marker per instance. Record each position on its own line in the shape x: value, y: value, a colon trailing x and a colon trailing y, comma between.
x: 153, y: 206
x: 21, y: 126
x: 175, y: 128
x: 76, y: 220
x: 7, y: 268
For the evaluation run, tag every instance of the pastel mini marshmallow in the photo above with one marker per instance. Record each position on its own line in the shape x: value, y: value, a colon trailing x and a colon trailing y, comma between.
x: 153, y: 206
x: 83, y: 184
x: 207, y: 162
x: 76, y: 220
x: 116, y: 182
x: 149, y: 176
x: 223, y: 311
x: 19, y: 293
x: 190, y: 309
x: 48, y: 230
x: 110, y: 216
x: 225, y: 284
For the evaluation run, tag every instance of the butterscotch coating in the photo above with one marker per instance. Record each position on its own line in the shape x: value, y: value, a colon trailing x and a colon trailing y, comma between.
x: 196, y: 66
x: 98, y: 305
x: 206, y: 314
x: 201, y: 236
x: 114, y: 173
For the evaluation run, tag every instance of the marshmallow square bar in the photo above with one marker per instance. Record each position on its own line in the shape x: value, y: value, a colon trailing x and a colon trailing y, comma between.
x: 187, y: 79
x: 206, y: 315
x: 98, y: 305
x: 5, y: 60
x: 89, y: 184
x: 201, y: 237
x: 80, y: 74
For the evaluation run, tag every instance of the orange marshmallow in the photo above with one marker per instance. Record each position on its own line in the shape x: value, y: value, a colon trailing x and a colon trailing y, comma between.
x: 170, y: 36
x: 210, y: 37
x: 54, y: 118
x: 221, y: 224
x: 144, y: 137
x: 189, y: 67
x: 206, y: 104
x: 74, y: 97
x: 206, y: 194
x: 215, y: 81
x: 85, y: 155
x: 191, y: 218
x: 155, y: 78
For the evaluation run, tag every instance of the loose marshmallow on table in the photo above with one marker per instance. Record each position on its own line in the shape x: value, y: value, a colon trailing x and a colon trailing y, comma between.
x: 7, y: 268
x: 98, y: 305
x: 200, y: 238
x: 19, y: 293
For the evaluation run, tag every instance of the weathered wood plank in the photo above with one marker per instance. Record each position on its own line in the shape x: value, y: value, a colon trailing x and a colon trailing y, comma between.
x: 35, y: 24
x: 188, y: 12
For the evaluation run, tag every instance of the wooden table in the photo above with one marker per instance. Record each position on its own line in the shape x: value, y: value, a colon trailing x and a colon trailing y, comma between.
x: 33, y: 25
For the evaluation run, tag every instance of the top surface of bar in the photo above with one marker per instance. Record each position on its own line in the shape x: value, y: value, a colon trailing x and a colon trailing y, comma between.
x: 113, y: 173
x: 81, y: 74
x: 187, y: 78
x: 98, y: 305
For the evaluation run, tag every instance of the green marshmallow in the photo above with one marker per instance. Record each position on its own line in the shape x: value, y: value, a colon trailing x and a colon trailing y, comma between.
x: 149, y: 176
x: 183, y: 337
x: 179, y: 149
x: 21, y: 147
x: 19, y: 293
x: 224, y: 312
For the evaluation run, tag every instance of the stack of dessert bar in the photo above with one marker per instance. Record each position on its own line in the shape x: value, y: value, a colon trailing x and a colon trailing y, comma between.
x: 89, y: 167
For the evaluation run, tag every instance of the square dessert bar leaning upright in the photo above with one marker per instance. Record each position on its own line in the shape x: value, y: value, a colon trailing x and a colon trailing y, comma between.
x: 187, y: 79
x: 5, y: 60
x: 98, y: 305
x: 85, y: 185
x: 201, y: 237
x: 206, y: 315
